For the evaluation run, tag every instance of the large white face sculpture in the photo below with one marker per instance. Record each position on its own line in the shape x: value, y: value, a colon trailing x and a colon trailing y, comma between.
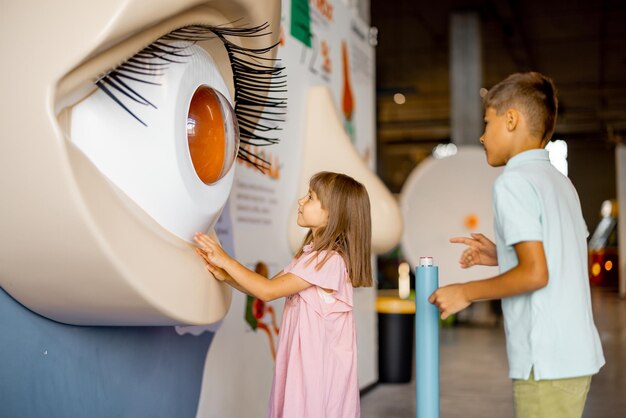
x: 104, y: 187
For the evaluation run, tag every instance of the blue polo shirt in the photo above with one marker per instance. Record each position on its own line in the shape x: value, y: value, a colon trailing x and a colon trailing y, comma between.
x: 550, y: 330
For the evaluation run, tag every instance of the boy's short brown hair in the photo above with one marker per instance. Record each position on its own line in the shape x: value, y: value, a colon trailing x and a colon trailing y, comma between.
x: 533, y: 94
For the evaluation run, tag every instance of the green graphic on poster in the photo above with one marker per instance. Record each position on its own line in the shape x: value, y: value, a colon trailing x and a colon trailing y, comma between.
x: 301, y: 21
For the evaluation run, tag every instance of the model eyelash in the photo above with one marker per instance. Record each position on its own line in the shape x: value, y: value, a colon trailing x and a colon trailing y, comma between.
x: 257, y: 80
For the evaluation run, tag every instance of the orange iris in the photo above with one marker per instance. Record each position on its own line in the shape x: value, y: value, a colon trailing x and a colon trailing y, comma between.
x: 206, y: 134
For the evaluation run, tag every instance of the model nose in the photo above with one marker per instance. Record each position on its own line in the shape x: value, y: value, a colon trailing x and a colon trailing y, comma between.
x: 324, y: 131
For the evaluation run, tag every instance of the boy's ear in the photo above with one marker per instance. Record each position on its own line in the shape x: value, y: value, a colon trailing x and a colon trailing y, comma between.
x: 512, y: 117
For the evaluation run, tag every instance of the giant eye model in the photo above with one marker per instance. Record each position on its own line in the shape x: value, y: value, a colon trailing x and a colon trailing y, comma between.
x: 120, y: 148
x: 176, y: 164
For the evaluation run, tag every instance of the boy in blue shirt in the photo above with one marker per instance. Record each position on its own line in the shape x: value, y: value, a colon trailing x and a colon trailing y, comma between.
x: 541, y: 250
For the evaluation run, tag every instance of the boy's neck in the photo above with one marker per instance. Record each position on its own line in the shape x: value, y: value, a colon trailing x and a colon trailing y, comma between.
x: 526, y: 144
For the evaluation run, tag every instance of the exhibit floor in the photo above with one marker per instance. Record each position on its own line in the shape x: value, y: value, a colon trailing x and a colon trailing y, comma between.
x: 474, y: 372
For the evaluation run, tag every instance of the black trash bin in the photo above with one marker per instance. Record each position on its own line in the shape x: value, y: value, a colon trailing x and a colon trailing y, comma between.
x: 396, y: 325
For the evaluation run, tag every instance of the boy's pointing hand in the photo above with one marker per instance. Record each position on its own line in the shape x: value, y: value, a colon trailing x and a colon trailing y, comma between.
x: 480, y: 251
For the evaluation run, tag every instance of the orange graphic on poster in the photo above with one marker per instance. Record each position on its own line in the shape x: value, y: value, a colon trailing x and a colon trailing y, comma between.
x: 326, y: 62
x: 256, y: 310
x: 347, y: 97
x: 261, y: 160
x: 324, y: 7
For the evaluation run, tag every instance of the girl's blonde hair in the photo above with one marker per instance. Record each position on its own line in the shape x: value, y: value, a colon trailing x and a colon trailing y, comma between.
x: 349, y: 227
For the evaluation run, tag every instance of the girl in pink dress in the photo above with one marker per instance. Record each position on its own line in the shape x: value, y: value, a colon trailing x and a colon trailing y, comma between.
x: 316, y: 362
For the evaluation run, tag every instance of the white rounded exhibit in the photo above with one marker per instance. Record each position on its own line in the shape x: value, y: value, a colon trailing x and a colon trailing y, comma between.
x: 444, y: 198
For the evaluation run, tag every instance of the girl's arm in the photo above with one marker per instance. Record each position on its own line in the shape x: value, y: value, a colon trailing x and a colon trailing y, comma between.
x: 263, y: 288
x: 529, y: 275
x: 247, y: 280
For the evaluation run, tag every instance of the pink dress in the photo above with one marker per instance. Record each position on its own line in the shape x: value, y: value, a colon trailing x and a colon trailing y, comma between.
x: 316, y: 362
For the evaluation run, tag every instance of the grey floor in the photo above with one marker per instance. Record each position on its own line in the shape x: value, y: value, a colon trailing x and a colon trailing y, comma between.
x: 474, y: 372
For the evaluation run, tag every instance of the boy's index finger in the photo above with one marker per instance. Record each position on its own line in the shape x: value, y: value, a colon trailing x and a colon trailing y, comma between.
x: 462, y: 240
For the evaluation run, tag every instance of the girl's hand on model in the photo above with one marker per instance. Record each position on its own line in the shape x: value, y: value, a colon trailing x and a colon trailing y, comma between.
x: 480, y: 251
x: 218, y: 273
x: 215, y: 254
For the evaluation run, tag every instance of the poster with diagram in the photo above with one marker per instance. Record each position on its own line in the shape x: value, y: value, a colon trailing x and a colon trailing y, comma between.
x: 321, y: 43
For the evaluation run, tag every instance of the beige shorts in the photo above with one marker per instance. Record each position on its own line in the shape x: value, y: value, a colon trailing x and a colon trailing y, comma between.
x: 558, y: 398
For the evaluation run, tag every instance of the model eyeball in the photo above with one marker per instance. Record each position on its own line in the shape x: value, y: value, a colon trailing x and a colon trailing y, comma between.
x: 211, y: 134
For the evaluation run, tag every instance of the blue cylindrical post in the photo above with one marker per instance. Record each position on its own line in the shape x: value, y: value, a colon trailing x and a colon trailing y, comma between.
x: 426, y: 340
